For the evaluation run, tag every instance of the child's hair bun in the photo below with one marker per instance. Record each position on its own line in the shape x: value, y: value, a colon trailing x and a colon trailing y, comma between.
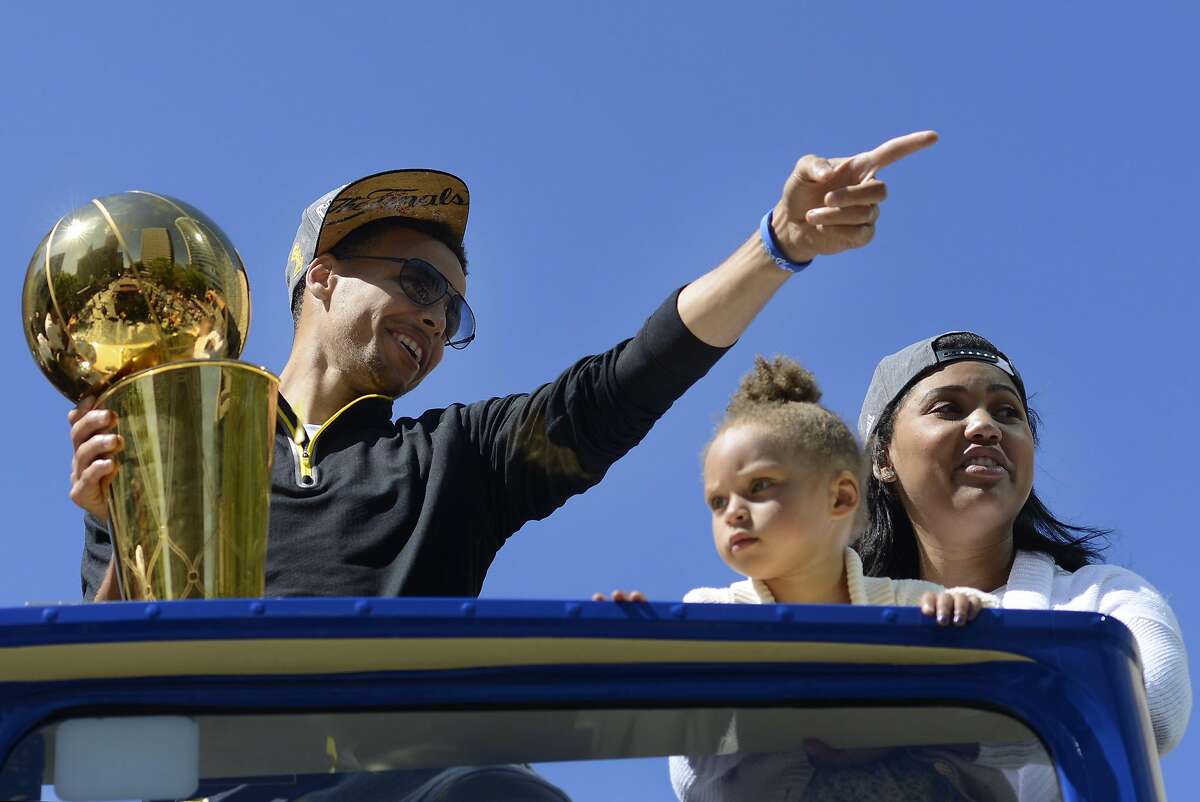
x: 776, y: 382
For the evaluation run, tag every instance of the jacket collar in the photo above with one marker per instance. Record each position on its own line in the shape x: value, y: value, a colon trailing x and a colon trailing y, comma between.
x: 1029, y: 582
x: 755, y: 591
x: 367, y: 409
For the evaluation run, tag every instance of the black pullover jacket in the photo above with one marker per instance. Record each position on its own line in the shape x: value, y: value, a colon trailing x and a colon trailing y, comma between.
x: 369, y: 506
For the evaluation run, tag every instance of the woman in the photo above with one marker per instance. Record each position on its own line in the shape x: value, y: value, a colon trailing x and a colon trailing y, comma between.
x: 950, y: 500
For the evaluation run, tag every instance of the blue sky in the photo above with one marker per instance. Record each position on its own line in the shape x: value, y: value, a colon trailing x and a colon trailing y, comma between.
x: 617, y: 151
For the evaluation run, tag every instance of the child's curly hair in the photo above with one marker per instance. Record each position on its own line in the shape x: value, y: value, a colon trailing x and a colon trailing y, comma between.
x: 781, y: 398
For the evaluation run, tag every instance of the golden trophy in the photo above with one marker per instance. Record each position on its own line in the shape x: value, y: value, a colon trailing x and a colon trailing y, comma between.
x: 140, y: 300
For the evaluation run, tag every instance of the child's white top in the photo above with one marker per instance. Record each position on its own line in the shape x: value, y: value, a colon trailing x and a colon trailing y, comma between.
x: 872, y: 590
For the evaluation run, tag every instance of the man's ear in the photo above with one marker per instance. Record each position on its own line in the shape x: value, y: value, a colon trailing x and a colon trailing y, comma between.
x: 321, y: 277
x: 845, y: 494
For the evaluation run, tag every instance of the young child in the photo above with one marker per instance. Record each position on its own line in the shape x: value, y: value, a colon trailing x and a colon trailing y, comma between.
x: 782, y: 479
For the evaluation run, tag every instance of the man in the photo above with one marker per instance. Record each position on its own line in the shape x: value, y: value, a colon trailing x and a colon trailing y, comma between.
x: 364, y: 505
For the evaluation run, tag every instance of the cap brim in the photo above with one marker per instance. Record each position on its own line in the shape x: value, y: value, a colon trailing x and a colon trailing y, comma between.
x: 428, y: 195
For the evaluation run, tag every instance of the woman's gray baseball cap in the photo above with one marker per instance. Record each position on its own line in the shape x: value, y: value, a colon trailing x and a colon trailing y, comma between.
x: 896, y: 373
x: 428, y: 195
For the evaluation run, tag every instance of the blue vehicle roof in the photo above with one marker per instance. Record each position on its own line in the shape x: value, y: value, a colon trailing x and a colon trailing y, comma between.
x: 1073, y: 678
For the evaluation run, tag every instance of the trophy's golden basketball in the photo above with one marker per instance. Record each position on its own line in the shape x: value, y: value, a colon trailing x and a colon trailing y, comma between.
x: 141, y: 300
x: 129, y: 282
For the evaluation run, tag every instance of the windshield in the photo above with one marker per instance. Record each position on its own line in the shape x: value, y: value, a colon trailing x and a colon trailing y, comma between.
x: 854, y: 753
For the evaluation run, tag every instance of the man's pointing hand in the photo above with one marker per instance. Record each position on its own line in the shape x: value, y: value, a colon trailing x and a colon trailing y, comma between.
x: 830, y: 205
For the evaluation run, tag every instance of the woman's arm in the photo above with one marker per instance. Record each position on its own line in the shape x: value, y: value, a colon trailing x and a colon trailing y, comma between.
x: 1138, y: 605
x: 1164, y: 661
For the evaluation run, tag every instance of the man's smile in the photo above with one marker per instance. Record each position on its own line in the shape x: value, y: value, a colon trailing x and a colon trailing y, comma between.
x: 410, y: 345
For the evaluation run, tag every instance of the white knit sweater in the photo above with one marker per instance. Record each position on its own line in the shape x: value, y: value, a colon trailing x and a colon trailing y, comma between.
x: 1036, y: 583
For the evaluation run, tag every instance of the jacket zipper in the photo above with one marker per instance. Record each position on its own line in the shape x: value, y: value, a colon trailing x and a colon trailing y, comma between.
x: 304, y: 447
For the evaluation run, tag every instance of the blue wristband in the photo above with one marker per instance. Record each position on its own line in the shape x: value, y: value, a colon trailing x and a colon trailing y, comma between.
x: 767, y: 235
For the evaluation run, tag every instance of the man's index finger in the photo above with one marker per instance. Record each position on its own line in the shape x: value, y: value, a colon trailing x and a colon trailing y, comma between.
x: 896, y: 149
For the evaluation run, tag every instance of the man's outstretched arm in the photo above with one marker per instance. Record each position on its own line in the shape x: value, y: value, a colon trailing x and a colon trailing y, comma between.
x: 559, y: 440
x: 827, y: 206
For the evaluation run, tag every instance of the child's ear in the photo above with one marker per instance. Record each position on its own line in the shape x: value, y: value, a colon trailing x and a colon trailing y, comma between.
x: 845, y: 495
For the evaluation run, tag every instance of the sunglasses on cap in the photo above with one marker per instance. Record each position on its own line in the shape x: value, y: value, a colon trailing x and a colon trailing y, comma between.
x: 424, y: 285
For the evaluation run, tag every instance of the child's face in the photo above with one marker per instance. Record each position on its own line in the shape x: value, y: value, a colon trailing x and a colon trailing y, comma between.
x: 770, y: 514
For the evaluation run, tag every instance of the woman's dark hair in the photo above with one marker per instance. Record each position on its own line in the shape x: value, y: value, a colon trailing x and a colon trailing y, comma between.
x: 888, y: 545
x: 365, y: 235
